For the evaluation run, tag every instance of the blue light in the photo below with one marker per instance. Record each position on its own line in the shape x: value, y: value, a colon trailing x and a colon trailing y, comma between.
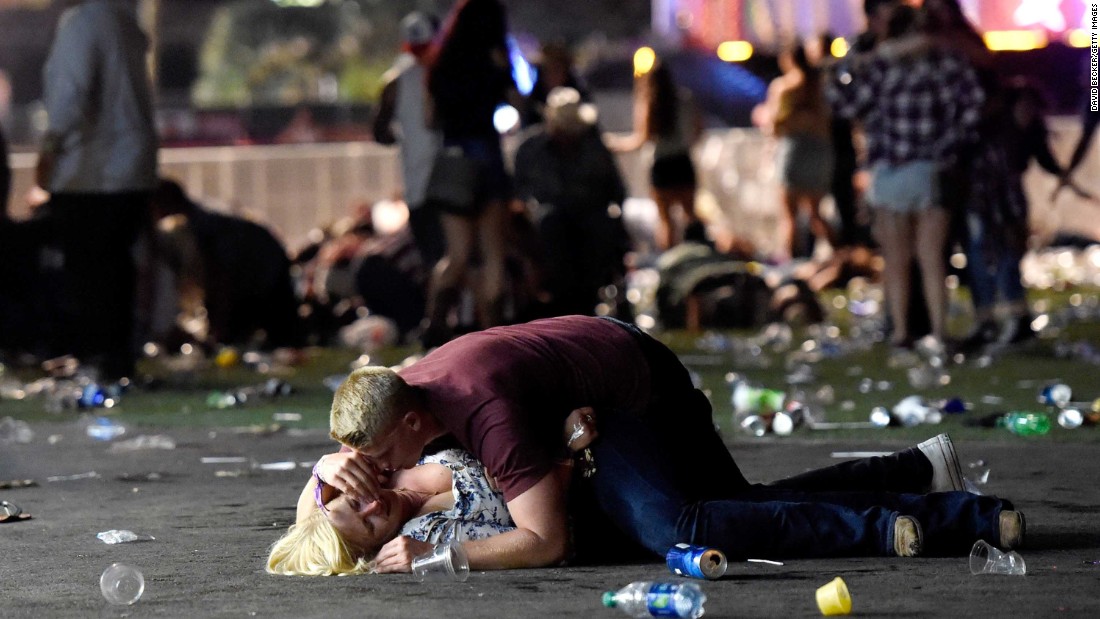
x: 522, y: 71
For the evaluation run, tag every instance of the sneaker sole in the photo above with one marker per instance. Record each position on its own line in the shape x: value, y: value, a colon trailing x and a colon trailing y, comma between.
x: 1018, y: 539
x: 915, y: 546
x: 948, y: 463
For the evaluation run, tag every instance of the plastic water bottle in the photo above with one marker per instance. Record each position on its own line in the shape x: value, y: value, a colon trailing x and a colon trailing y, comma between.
x: 1025, y: 424
x: 746, y: 398
x: 658, y: 599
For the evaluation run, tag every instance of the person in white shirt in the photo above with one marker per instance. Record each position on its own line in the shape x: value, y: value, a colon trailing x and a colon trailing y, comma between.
x: 402, y: 118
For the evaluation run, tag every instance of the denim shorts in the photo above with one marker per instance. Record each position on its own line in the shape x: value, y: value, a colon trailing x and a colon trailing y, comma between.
x: 906, y: 188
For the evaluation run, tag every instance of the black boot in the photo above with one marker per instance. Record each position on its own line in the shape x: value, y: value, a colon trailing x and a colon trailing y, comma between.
x: 984, y: 334
x: 1016, y: 331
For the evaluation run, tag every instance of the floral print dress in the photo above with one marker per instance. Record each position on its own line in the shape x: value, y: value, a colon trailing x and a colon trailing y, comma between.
x: 479, y: 511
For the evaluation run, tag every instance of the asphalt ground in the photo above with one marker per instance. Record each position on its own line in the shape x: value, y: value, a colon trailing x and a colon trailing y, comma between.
x: 214, y: 522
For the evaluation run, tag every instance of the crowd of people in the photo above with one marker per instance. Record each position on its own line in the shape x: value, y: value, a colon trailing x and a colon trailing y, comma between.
x: 114, y: 254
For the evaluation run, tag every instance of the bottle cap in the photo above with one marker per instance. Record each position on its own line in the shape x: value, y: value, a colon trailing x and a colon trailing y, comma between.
x: 609, y: 599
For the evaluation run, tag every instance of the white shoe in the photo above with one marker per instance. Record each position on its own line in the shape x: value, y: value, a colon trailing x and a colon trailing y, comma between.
x: 946, y: 474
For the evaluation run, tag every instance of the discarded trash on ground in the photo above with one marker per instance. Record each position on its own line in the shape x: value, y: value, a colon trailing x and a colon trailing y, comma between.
x: 88, y: 475
x: 445, y: 562
x: 696, y: 561
x: 10, y: 512
x: 658, y: 599
x: 223, y: 459
x: 833, y: 598
x: 105, y: 429
x: 11, y: 484
x: 122, y: 584
x: 122, y: 536
x: 144, y: 442
x: 987, y: 559
x: 15, y: 431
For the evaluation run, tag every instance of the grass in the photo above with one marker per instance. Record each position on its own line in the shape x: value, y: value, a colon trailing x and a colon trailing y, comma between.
x: 173, y: 398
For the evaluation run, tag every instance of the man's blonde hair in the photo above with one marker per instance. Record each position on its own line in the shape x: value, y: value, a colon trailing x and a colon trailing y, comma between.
x: 314, y: 547
x: 368, y: 402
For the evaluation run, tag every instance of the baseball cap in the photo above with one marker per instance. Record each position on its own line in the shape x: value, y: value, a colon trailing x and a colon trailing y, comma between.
x: 417, y: 28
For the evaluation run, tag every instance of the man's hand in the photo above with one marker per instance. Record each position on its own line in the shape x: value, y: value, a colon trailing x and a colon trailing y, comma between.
x: 353, y: 474
x: 396, y: 555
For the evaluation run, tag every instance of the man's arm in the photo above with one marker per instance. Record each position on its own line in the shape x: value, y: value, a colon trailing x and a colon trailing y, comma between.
x: 541, y: 536
x: 382, y: 127
x: 345, y: 471
x: 540, y: 539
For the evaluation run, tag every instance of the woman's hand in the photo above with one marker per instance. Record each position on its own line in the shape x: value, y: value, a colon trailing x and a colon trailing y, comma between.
x: 396, y: 555
x: 353, y: 474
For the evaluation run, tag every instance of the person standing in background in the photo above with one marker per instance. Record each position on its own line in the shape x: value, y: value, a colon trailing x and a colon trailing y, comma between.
x: 571, y: 188
x: 555, y: 70
x: 469, y: 76
x: 920, y: 105
x: 665, y: 116
x: 795, y: 112
x: 401, y: 118
x: 98, y: 160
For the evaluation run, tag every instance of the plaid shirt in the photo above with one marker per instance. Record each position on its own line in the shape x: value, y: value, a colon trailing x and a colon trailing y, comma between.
x: 923, y: 104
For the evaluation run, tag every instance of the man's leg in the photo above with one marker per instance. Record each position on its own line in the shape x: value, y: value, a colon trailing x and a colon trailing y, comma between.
x: 641, y: 485
x: 905, y: 471
x: 952, y: 521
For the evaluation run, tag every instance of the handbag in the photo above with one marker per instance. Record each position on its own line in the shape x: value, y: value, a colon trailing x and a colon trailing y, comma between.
x: 454, y: 183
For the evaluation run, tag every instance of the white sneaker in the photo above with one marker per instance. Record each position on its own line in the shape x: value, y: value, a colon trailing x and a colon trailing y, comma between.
x: 946, y: 474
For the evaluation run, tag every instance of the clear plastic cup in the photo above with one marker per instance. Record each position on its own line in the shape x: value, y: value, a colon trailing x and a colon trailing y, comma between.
x: 987, y: 559
x: 122, y: 584
x: 445, y: 562
x: 833, y: 598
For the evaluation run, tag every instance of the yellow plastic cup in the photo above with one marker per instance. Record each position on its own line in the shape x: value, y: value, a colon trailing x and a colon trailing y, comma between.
x: 833, y: 598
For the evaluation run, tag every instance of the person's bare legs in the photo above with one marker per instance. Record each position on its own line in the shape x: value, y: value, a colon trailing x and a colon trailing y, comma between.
x: 821, y: 228
x: 789, y: 199
x: 662, y: 232
x: 931, y: 236
x: 491, y: 236
x: 667, y: 233
x: 450, y: 272
x: 893, y: 233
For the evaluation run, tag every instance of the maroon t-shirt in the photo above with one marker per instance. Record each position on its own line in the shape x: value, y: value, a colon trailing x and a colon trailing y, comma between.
x: 504, y: 393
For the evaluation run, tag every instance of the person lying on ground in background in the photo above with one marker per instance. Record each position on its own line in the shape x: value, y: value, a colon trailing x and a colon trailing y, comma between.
x: 658, y: 470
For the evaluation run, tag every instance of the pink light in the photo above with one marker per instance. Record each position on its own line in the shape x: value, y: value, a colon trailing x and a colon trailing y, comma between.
x: 1040, y: 12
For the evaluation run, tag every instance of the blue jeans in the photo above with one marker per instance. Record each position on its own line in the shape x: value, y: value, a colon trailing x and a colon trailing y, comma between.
x: 664, y: 476
x: 993, y: 268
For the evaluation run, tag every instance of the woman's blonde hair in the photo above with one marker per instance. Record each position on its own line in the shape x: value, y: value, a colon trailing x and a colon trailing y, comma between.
x: 370, y: 400
x: 314, y: 547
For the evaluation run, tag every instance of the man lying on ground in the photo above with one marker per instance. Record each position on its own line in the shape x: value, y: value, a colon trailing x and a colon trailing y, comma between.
x: 658, y: 470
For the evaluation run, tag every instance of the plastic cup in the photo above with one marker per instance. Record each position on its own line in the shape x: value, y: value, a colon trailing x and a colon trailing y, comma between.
x: 444, y: 562
x: 122, y: 584
x: 833, y: 598
x: 986, y: 559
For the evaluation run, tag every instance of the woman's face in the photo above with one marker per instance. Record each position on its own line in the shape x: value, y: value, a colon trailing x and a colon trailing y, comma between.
x: 366, y: 526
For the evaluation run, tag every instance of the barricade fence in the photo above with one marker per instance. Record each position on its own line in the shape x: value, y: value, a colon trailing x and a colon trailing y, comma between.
x: 296, y: 188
